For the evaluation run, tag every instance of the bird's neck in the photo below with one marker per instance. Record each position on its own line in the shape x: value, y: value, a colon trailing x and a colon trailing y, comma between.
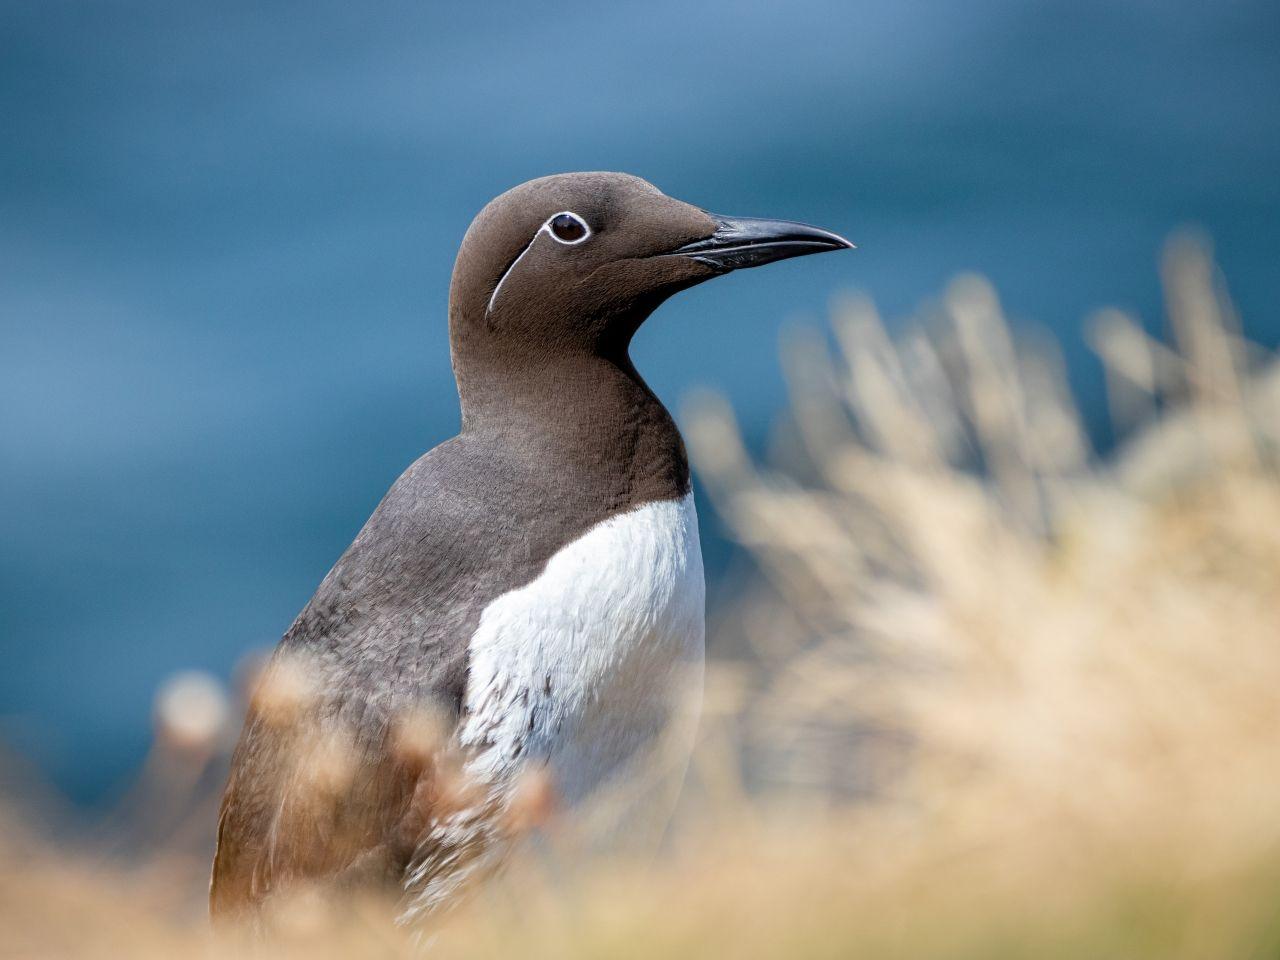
x: 593, y: 417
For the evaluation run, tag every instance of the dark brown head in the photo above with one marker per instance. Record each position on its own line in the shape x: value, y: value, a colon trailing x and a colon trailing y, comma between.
x: 569, y: 266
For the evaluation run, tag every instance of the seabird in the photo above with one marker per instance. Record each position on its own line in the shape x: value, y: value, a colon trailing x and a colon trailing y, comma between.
x: 536, y: 580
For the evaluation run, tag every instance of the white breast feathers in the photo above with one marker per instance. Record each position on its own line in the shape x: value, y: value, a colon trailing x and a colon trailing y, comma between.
x: 579, y: 668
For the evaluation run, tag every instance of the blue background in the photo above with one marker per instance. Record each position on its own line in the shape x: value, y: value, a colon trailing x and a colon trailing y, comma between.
x: 226, y: 231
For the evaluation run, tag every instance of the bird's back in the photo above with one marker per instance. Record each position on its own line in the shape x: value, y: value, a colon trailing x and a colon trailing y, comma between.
x: 505, y: 602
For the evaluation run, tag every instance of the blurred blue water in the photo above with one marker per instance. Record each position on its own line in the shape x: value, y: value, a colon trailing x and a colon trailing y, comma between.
x: 226, y: 232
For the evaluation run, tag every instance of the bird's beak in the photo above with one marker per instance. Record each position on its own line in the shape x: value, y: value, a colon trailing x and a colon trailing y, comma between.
x: 741, y: 242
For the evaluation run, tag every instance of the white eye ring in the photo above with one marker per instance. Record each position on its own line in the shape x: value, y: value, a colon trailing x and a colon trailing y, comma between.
x: 586, y: 230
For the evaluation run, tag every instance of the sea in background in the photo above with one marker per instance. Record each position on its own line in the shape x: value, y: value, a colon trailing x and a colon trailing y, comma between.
x: 226, y: 233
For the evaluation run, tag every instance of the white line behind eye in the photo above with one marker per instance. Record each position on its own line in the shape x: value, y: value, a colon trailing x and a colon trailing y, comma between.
x: 546, y: 226
x: 503, y: 279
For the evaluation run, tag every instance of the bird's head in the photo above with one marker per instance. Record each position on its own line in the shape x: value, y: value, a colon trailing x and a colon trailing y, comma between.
x: 572, y: 264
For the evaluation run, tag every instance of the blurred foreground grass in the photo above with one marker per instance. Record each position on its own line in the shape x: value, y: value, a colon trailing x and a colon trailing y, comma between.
x: 987, y: 694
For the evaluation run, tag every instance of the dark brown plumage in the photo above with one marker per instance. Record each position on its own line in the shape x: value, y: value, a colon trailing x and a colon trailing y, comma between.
x: 336, y: 776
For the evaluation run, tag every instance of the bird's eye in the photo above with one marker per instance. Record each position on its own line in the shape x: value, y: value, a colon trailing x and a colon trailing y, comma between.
x: 568, y: 228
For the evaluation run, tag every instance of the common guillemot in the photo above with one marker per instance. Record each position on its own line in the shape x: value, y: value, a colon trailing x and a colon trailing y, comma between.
x: 538, y: 578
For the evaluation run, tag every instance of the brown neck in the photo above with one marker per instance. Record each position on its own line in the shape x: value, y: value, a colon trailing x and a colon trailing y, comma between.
x: 576, y: 418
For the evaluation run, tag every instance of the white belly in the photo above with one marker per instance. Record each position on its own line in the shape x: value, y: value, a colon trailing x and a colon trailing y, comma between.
x: 583, y: 667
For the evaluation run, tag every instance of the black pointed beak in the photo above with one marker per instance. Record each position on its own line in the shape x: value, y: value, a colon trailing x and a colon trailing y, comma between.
x: 741, y: 242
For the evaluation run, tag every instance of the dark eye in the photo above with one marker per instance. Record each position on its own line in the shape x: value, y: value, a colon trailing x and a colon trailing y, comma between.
x: 568, y: 228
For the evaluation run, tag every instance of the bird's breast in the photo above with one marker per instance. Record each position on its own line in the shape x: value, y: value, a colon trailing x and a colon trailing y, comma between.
x: 583, y: 667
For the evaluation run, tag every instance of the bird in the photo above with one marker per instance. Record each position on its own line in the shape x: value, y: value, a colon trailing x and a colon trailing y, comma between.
x: 526, y: 596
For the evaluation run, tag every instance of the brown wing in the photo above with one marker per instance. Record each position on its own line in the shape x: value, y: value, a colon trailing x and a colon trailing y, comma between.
x: 321, y: 790
x: 307, y: 801
x: 321, y: 785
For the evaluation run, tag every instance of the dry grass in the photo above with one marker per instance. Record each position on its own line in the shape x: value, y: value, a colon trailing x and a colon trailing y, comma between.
x: 988, y: 695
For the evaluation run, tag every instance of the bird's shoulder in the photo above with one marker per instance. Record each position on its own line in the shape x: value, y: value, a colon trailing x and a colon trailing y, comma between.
x: 423, y: 520
x: 414, y: 568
